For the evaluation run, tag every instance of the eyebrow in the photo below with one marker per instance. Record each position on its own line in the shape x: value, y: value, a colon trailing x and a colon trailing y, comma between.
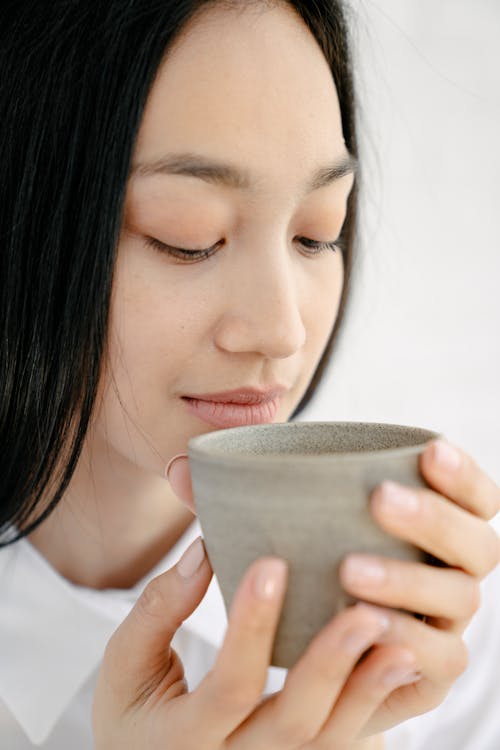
x: 229, y: 175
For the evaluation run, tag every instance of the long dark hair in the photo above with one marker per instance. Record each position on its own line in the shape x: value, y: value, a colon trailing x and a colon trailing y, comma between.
x: 75, y: 76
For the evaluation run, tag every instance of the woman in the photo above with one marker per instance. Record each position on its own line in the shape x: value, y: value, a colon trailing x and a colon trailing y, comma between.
x: 178, y: 215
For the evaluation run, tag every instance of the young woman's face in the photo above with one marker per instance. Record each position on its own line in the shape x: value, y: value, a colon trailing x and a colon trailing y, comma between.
x: 251, y: 90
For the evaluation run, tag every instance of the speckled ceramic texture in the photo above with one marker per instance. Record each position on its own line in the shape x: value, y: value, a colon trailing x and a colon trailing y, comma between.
x: 299, y: 490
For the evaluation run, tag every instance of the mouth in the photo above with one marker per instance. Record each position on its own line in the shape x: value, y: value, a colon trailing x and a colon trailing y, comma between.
x: 247, y: 408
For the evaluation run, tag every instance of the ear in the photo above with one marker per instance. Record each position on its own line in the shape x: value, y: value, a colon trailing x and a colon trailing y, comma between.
x: 179, y: 477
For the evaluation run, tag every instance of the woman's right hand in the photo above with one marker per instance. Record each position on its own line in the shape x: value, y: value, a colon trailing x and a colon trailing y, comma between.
x: 142, y: 698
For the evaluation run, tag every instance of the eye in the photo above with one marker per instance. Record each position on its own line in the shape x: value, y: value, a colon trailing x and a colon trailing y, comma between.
x: 314, y: 248
x: 179, y: 252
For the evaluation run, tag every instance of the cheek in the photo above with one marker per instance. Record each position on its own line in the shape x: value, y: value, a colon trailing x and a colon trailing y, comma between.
x: 324, y: 300
x: 147, y: 339
x: 158, y: 320
x: 151, y: 342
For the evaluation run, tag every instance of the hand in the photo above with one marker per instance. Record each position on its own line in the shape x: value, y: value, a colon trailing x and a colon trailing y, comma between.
x: 141, y: 698
x: 329, y: 699
x: 448, y: 522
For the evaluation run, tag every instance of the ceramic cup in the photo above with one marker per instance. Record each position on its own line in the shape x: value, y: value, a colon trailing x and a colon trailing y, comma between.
x: 299, y: 490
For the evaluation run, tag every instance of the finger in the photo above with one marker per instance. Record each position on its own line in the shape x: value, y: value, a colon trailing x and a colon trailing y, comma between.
x: 442, y: 656
x: 437, y: 526
x: 296, y: 714
x: 138, y: 656
x: 179, y: 477
x: 383, y: 670
x: 456, y: 475
x: 404, y: 703
x: 233, y: 688
x: 432, y: 591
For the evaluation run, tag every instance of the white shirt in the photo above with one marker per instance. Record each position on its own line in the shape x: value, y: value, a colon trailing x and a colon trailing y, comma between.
x: 53, y: 634
x: 52, y: 638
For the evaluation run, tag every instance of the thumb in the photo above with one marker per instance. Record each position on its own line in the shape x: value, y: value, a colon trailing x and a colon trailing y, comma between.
x: 138, y: 656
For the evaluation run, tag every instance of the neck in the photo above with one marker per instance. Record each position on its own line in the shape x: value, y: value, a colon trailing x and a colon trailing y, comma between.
x: 114, y: 523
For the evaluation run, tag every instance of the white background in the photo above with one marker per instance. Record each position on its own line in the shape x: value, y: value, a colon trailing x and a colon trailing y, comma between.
x: 422, y: 345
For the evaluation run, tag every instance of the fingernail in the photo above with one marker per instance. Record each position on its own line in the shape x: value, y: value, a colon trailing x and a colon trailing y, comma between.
x: 192, y: 559
x: 270, y: 579
x: 445, y: 456
x: 399, y: 676
x: 363, y: 570
x: 397, y: 498
x: 170, y: 463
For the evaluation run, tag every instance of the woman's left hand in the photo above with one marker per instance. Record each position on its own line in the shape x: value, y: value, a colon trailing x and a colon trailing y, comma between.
x: 448, y: 521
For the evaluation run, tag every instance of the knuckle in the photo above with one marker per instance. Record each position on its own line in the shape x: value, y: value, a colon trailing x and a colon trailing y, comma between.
x: 496, y: 500
x: 112, y: 650
x: 258, y: 622
x: 432, y: 516
x: 430, y: 699
x: 497, y: 549
x: 490, y: 553
x: 482, y: 489
x: 472, y: 600
x: 152, y: 603
x: 493, y: 506
x: 327, y: 670
x: 373, y: 692
x: 232, y: 695
x: 151, y: 600
x: 457, y: 661
x: 495, y: 556
x: 293, y: 732
x: 331, y: 666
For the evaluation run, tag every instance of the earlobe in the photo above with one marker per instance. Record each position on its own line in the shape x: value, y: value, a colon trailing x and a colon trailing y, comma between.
x: 179, y: 477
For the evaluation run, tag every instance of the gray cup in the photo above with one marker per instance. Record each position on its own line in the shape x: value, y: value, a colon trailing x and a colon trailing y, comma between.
x: 300, y: 491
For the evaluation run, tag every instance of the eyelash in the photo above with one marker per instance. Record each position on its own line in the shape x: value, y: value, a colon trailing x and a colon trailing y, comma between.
x: 178, y: 252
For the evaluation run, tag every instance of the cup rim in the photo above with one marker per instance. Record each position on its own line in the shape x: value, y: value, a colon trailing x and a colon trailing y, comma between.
x: 199, y: 447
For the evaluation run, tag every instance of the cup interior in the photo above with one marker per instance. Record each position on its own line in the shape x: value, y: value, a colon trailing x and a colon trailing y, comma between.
x: 310, y: 438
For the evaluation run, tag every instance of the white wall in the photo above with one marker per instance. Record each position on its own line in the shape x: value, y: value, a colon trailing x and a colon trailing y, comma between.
x: 422, y: 344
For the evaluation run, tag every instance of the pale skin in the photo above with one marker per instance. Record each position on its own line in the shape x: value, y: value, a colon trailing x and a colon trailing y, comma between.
x: 251, y: 89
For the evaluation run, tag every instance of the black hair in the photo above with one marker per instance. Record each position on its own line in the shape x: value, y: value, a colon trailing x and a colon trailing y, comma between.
x: 75, y: 76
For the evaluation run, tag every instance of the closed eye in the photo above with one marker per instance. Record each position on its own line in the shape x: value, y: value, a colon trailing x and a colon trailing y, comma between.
x: 314, y: 248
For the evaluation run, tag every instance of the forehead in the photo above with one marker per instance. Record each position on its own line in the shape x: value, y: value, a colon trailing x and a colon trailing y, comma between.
x: 246, y: 87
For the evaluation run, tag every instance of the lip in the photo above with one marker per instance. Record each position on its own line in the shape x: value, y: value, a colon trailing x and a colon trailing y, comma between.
x: 245, y: 395
x: 222, y: 414
x: 237, y: 408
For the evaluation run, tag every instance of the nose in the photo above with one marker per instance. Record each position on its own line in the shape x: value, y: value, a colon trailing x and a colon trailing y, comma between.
x: 263, y: 312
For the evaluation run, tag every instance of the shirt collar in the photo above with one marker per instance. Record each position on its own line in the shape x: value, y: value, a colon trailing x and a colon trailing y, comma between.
x: 53, y: 633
